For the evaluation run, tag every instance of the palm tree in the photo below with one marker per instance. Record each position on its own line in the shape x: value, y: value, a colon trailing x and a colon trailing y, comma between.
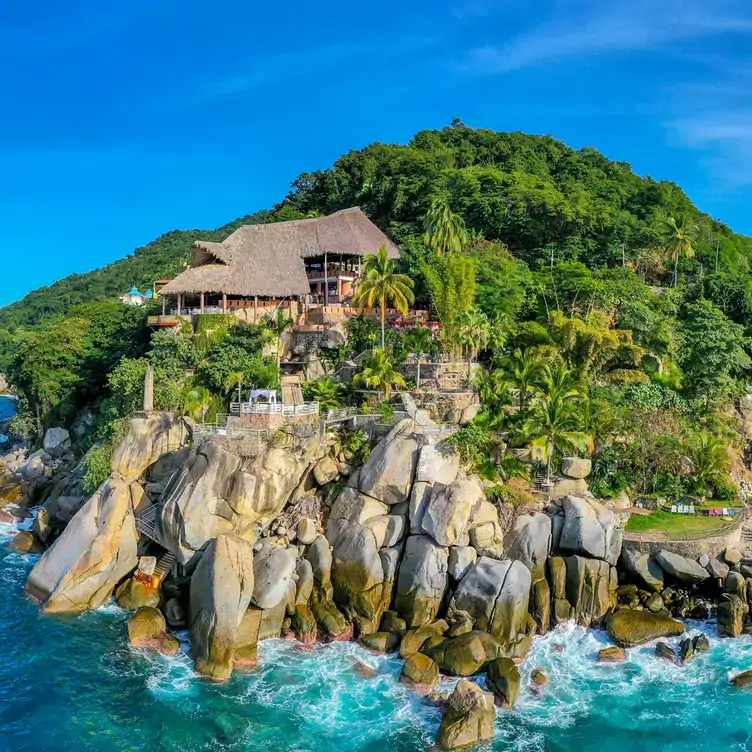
x: 381, y: 285
x: 234, y: 379
x: 474, y: 333
x: 497, y: 336
x: 710, y: 459
x: 444, y: 231
x: 197, y: 402
x: 561, y: 383
x: 278, y: 324
x: 379, y: 373
x: 679, y: 242
x: 493, y: 389
x: 525, y: 372
x: 327, y: 392
x: 553, y: 425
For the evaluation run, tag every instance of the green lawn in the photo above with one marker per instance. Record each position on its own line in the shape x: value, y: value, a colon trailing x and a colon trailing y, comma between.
x: 666, y: 522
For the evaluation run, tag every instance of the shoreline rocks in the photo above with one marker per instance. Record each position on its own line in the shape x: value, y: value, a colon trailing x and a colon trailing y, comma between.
x: 627, y: 628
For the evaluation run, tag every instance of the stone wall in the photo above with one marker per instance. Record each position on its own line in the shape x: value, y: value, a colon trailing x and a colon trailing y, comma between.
x: 692, y: 549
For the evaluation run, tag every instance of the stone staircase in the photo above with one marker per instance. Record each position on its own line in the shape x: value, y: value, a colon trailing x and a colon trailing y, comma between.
x: 746, y: 536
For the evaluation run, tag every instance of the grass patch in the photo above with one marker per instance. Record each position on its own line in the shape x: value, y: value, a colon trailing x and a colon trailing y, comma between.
x: 667, y: 522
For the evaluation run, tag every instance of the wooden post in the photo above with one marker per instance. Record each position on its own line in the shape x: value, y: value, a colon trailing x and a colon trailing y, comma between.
x: 326, y: 281
x: 180, y: 303
x: 164, y: 305
x: 224, y: 302
x: 255, y: 309
x: 202, y: 303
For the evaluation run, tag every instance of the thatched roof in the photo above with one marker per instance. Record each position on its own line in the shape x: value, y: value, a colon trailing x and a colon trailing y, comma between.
x: 267, y: 260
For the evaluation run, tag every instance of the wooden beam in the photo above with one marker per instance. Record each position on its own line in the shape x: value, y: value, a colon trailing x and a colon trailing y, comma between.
x: 255, y: 309
x: 164, y: 305
x: 202, y: 303
x: 326, y: 281
x: 180, y: 303
x: 224, y: 302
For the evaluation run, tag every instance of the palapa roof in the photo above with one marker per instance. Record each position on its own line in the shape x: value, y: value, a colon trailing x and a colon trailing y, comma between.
x: 268, y: 260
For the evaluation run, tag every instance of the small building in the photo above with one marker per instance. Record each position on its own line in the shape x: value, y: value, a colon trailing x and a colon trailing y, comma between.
x: 133, y: 297
x: 300, y: 264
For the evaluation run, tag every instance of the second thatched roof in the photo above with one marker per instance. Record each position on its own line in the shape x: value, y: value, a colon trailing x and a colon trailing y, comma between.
x: 268, y: 260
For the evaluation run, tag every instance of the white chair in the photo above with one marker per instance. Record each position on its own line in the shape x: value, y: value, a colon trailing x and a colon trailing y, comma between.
x: 691, y: 508
x: 725, y: 511
x: 674, y: 509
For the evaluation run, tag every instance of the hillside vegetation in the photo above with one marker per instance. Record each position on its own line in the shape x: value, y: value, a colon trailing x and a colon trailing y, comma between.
x: 611, y: 315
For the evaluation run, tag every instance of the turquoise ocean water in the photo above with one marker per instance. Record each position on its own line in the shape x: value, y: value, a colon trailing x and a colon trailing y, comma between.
x: 69, y: 684
x: 73, y: 684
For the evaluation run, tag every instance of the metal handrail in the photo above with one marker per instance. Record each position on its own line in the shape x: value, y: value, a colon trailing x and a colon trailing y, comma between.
x: 273, y: 408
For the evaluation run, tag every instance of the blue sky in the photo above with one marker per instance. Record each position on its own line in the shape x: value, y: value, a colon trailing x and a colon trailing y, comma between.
x: 120, y: 121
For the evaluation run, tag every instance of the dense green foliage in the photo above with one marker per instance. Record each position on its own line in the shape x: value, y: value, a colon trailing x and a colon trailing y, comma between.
x: 538, y: 259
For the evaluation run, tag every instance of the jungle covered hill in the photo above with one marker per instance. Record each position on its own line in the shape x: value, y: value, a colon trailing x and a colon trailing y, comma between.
x: 604, y: 307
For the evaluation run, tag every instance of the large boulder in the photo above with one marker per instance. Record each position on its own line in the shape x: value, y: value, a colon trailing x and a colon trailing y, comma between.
x: 529, y: 541
x: 590, y: 530
x: 629, y: 628
x: 273, y: 569
x: 325, y: 471
x: 421, y: 673
x: 319, y: 555
x: 448, y: 513
x: 438, y: 463
x: 464, y: 655
x: 468, y: 717
x: 389, y: 473
x: 56, y: 441
x: 680, y: 568
x: 642, y: 566
x: 422, y: 580
x: 137, y: 592
x: 718, y: 569
x: 496, y: 595
x: 150, y: 437
x: 147, y: 629
x: 419, y: 499
x: 576, y: 467
x: 356, y: 565
x: 583, y: 590
x: 221, y: 590
x: 461, y: 558
x: 96, y: 550
x: 486, y: 536
x: 194, y: 509
x: 731, y: 612
x: 503, y: 679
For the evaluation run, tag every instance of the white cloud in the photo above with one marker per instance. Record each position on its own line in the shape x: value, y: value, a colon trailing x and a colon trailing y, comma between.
x: 588, y: 28
x: 724, y: 138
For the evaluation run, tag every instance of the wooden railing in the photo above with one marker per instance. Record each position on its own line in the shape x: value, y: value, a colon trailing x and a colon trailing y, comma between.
x: 273, y: 408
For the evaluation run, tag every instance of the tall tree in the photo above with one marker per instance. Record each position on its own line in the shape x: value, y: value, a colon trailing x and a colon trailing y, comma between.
x: 451, y: 281
x: 525, y: 372
x: 554, y: 422
x: 444, y: 231
x: 278, y: 323
x: 197, y: 402
x: 474, y: 334
x: 680, y: 237
x: 381, y: 285
x: 379, y: 373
